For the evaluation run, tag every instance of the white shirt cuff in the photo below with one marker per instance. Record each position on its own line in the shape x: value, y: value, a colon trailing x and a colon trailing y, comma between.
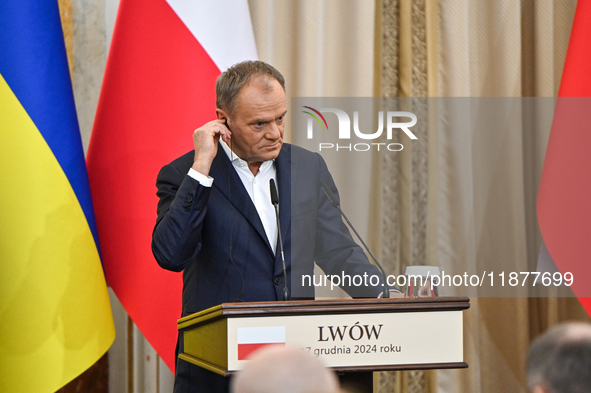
x: 205, y: 181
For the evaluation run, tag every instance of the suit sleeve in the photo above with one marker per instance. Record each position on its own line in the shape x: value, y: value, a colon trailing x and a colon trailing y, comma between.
x: 335, y: 250
x: 176, y: 239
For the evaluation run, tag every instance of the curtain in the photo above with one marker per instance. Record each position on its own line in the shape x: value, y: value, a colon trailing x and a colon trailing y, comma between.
x: 466, y: 196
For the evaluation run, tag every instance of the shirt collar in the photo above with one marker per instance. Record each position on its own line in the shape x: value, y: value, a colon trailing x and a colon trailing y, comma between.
x: 237, y: 161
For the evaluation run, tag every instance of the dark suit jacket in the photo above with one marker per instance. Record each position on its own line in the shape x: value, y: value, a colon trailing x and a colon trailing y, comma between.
x: 215, y: 236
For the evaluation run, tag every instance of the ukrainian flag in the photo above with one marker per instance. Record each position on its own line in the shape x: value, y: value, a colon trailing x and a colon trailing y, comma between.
x: 55, y: 316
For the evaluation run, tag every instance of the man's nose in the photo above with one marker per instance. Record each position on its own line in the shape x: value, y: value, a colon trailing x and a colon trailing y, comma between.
x: 273, y: 131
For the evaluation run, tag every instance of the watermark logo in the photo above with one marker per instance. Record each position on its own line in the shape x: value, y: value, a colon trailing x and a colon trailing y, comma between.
x: 391, y: 119
x: 315, y: 118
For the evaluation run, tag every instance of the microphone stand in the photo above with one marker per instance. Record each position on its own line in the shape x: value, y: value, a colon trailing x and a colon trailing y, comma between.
x: 275, y: 202
x: 333, y: 201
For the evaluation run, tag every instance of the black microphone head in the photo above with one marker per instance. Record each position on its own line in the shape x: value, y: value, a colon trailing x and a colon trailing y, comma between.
x: 331, y: 197
x: 274, y: 196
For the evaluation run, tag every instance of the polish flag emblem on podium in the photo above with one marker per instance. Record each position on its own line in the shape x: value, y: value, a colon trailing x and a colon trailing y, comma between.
x: 250, y: 339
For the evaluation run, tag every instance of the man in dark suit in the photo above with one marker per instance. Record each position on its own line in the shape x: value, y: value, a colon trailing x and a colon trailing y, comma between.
x: 223, y: 233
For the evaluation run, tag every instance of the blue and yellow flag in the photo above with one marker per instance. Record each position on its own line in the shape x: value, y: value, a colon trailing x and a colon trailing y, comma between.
x: 55, y: 316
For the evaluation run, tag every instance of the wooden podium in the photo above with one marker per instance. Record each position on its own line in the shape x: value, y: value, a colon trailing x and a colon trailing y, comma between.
x: 355, y: 335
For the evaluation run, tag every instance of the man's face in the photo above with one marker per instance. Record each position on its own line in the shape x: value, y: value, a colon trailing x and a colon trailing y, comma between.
x: 258, y: 121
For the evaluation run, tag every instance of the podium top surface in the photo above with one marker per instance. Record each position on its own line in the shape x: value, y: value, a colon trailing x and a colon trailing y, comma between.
x: 330, y: 306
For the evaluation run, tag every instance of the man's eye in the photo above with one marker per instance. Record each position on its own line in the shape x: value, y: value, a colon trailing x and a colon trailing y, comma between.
x: 279, y: 119
x: 259, y: 124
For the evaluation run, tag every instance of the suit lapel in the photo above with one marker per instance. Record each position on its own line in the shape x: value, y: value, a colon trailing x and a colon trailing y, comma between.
x: 229, y: 184
x: 283, y: 165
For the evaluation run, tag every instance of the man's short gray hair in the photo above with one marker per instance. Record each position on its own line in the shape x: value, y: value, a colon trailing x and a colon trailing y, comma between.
x: 231, y: 81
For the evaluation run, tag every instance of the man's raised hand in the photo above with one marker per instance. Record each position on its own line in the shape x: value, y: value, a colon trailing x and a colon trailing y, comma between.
x: 206, y: 139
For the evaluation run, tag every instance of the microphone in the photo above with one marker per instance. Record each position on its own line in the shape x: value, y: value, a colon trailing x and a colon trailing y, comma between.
x: 275, y: 202
x: 334, y: 201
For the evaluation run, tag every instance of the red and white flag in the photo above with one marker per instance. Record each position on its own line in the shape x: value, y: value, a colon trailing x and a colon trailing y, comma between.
x: 564, y: 207
x: 250, y: 339
x: 159, y: 86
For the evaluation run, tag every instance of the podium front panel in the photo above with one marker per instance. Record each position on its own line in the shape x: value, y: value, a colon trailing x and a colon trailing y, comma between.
x: 354, y: 340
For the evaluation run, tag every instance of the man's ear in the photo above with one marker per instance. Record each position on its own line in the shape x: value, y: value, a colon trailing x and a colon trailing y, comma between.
x: 221, y: 114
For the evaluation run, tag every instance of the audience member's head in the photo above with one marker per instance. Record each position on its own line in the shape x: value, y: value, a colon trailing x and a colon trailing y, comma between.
x: 284, y: 369
x: 559, y: 361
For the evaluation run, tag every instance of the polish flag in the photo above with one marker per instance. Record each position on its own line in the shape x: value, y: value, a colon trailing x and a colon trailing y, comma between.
x: 159, y: 86
x: 250, y: 339
x: 564, y: 210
